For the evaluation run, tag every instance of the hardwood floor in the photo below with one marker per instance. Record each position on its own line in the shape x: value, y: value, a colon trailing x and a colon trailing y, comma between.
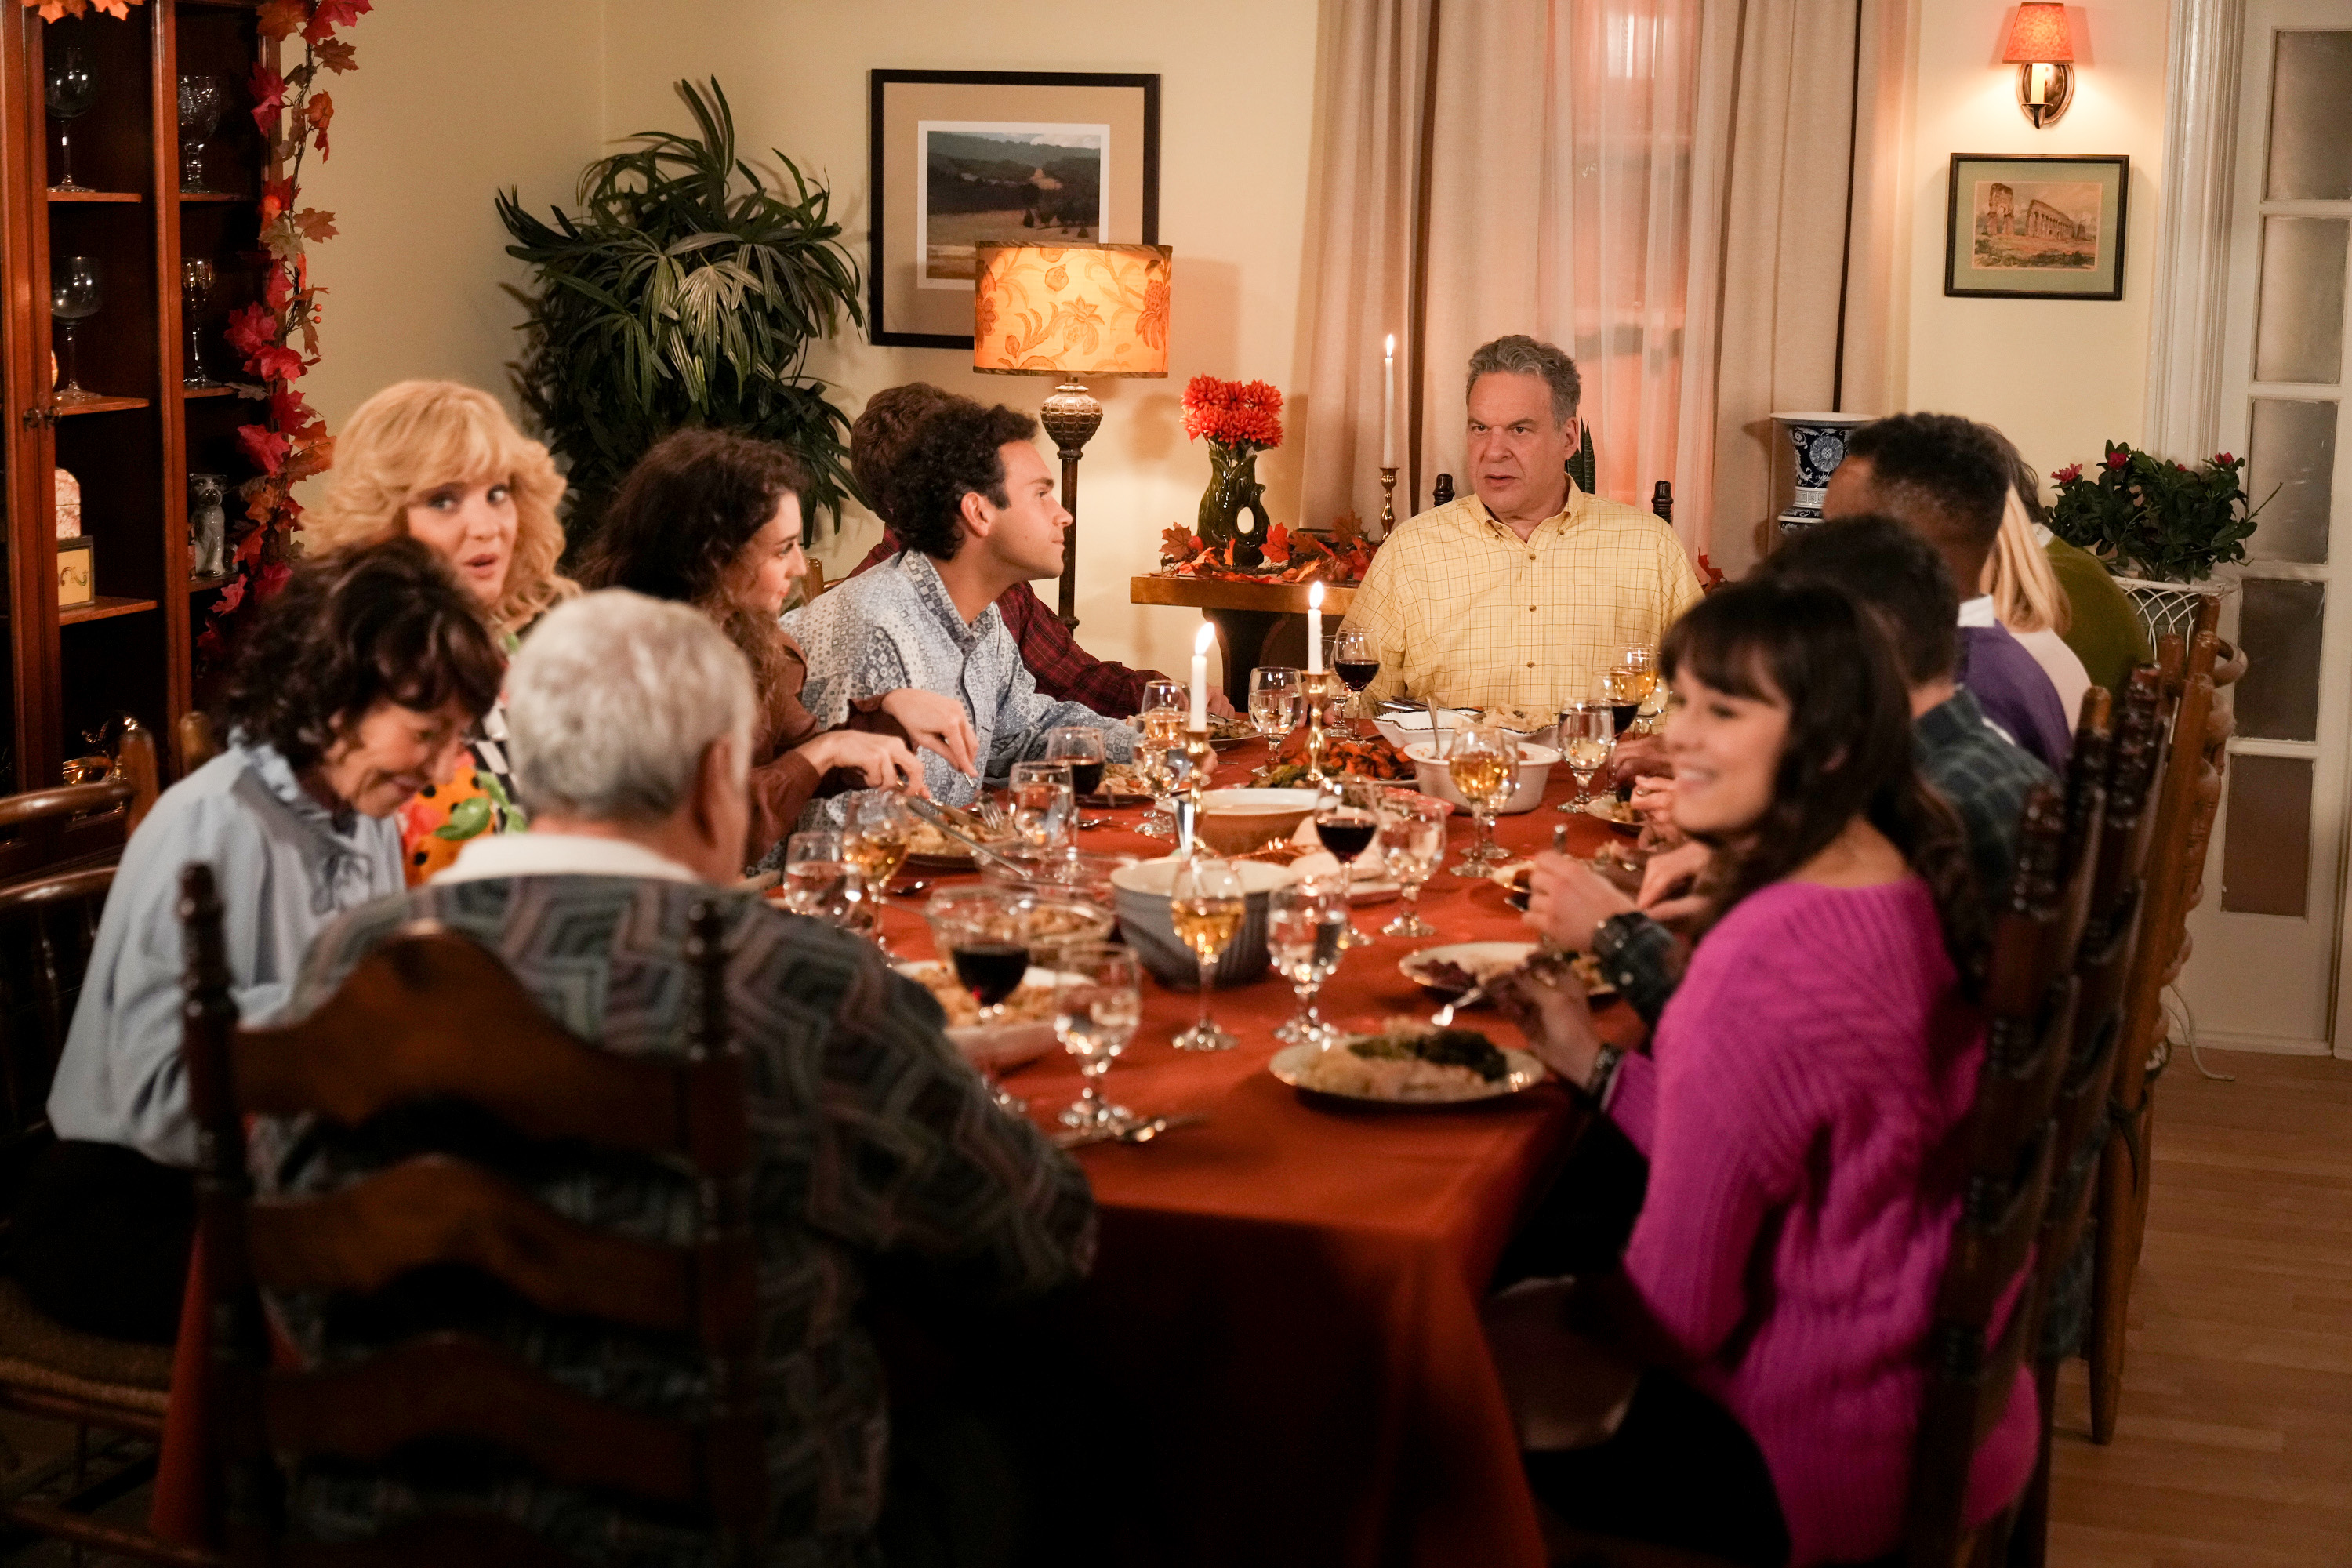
x: 2234, y: 1442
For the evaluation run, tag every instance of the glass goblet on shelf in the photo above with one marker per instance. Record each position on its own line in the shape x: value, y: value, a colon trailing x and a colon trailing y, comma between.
x: 203, y: 100
x: 1484, y: 765
x: 1303, y: 921
x: 1274, y: 701
x: 1205, y: 907
x: 1098, y: 1004
x: 196, y: 288
x: 1587, y: 732
x: 1413, y: 842
x: 71, y: 91
x: 74, y: 296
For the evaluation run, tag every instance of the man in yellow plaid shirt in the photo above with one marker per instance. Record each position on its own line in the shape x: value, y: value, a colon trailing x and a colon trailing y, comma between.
x: 1522, y: 593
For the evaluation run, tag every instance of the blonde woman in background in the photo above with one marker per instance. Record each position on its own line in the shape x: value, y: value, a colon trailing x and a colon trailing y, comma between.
x: 442, y: 463
x: 2027, y: 599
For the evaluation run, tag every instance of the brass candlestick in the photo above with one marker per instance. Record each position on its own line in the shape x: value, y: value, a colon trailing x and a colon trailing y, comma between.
x: 1388, y: 501
x: 1201, y: 760
x: 1316, y: 688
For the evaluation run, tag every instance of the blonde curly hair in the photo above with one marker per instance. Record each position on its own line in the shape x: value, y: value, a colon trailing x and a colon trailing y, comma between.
x: 415, y: 434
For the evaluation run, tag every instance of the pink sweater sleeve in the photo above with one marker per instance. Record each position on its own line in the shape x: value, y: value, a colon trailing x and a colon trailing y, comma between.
x: 1633, y: 1099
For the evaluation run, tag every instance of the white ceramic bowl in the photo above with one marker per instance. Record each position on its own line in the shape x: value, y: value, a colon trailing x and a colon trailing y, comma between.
x: 1143, y: 898
x: 1005, y: 1044
x: 1535, y: 771
x: 1407, y: 726
x: 1237, y: 821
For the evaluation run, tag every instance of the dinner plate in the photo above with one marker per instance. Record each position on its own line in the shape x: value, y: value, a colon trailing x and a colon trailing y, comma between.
x: 1476, y: 955
x: 1606, y: 807
x: 1521, y: 1073
x: 1004, y: 1045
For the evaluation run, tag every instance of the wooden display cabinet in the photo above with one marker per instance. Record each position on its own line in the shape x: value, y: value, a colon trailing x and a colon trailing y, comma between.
x: 67, y: 673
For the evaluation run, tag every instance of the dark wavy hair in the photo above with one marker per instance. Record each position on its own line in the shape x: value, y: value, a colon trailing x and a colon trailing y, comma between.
x: 683, y: 517
x: 386, y: 622
x: 951, y: 453
x: 1849, y: 747
x: 1892, y: 570
x: 878, y: 439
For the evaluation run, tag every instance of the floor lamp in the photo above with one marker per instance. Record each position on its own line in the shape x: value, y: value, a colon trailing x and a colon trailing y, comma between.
x: 1071, y: 311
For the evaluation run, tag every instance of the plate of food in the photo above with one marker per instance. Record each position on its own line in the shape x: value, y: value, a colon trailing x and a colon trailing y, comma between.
x: 1025, y: 1033
x: 1229, y: 731
x: 1122, y: 785
x: 1448, y: 972
x: 1370, y: 758
x: 1618, y: 814
x: 1409, y: 1064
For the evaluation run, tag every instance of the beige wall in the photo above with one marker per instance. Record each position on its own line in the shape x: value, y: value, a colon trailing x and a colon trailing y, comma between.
x: 1235, y: 110
x: 2059, y: 376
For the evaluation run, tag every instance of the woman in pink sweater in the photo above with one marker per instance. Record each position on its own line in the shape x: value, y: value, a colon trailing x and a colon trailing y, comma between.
x: 1795, y: 1110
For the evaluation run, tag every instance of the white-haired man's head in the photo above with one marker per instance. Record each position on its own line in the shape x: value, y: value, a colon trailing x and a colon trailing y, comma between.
x: 629, y: 717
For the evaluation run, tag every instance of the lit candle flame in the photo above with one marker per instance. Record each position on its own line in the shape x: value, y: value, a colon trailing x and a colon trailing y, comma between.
x: 1204, y: 637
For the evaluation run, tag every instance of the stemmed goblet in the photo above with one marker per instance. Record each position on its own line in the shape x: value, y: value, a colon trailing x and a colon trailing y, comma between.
x: 1081, y: 746
x: 1043, y: 804
x: 1161, y: 720
x: 74, y: 296
x: 983, y: 935
x: 1205, y: 907
x: 1348, y: 821
x: 1303, y: 925
x: 878, y: 839
x: 1355, y: 663
x: 1097, y: 1003
x: 196, y: 288
x: 1586, y: 733
x: 820, y: 882
x: 72, y: 92
x: 1484, y: 764
x: 1274, y: 702
x: 1643, y: 660
x: 1412, y: 840
x: 202, y: 100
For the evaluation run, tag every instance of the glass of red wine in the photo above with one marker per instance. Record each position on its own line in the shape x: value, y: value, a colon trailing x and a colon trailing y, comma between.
x: 1081, y: 746
x: 983, y: 934
x: 1348, y: 821
x: 1354, y: 662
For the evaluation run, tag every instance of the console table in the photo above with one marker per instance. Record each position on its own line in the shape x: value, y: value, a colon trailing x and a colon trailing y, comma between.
x: 1247, y: 615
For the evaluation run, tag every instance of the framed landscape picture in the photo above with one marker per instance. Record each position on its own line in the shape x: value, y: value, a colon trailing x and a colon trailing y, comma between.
x: 962, y: 157
x: 2036, y: 228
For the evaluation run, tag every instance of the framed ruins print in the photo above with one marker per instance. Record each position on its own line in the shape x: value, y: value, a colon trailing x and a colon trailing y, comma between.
x: 962, y: 157
x: 2036, y: 228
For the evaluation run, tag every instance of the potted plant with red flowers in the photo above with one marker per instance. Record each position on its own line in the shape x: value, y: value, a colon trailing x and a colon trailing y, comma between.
x: 2157, y: 524
x: 1240, y: 419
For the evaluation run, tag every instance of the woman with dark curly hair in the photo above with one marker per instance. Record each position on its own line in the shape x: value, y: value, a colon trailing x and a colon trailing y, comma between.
x: 1766, y: 1325
x: 355, y: 685
x: 713, y: 519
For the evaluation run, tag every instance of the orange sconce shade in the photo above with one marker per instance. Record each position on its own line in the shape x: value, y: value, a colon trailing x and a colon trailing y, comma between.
x: 1072, y: 310
x: 2039, y: 36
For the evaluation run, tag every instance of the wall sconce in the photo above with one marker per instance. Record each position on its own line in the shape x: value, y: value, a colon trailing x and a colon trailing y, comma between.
x: 2042, y: 49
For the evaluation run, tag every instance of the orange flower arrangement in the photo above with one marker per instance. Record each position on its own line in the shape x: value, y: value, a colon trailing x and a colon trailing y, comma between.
x: 1243, y: 415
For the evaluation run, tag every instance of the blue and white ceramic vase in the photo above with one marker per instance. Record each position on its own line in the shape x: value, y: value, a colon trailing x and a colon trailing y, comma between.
x: 1819, y: 440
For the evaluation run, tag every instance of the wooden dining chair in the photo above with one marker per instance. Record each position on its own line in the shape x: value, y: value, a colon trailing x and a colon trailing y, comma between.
x: 2183, y: 828
x: 431, y: 1017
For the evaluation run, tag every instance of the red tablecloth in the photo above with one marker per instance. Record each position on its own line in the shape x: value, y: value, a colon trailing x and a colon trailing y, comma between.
x: 1281, y: 1331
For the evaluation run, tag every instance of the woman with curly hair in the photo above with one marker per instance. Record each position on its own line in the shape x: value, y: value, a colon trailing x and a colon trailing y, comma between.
x: 1768, y: 1322
x: 354, y: 687
x: 713, y: 519
x: 441, y: 463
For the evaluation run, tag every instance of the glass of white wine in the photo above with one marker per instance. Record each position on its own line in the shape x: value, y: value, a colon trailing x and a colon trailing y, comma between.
x: 1274, y: 701
x: 1204, y: 906
x: 1413, y: 838
x: 876, y: 840
x: 1587, y: 729
x: 1161, y: 720
x: 1097, y: 1003
x: 1485, y: 767
x: 1650, y: 691
x: 1303, y: 927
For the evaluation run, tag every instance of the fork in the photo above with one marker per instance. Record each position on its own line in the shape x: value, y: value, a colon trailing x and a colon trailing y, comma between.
x: 993, y: 816
x: 1444, y: 1017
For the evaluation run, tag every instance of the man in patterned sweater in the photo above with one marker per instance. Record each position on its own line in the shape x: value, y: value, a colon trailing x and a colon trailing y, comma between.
x: 874, y: 1143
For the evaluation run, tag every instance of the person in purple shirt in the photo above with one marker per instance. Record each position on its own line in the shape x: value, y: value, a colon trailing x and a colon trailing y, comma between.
x: 1948, y: 478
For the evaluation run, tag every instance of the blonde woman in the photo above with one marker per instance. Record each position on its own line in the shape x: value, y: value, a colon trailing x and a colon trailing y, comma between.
x: 442, y: 463
x: 2026, y: 598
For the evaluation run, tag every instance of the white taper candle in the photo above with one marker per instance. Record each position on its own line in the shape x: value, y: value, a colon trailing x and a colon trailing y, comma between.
x: 1201, y: 641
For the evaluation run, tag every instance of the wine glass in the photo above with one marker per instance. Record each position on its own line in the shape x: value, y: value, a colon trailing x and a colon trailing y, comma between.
x: 984, y: 934
x: 1484, y: 764
x: 1043, y: 804
x: 820, y: 882
x: 196, y: 288
x: 1355, y: 663
x: 1622, y: 689
x: 1303, y: 925
x: 876, y: 840
x: 1097, y: 1003
x: 1348, y: 821
x: 1586, y: 733
x: 1205, y: 907
x: 1161, y: 719
x: 74, y: 296
x: 202, y: 100
x: 72, y: 93
x: 1412, y: 840
x: 1081, y: 746
x: 1643, y: 660
x: 1274, y: 702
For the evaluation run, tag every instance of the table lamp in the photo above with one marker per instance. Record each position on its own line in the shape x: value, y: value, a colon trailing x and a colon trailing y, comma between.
x: 1071, y: 311
x: 2042, y: 47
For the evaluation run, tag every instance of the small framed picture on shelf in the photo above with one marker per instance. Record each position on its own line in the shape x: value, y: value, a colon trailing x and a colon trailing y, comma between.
x: 77, y: 572
x: 2036, y: 227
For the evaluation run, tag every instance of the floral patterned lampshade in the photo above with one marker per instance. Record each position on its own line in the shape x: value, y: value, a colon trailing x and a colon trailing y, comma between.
x: 1072, y: 310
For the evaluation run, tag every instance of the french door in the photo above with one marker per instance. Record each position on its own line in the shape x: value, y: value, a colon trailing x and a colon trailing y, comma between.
x: 2267, y: 968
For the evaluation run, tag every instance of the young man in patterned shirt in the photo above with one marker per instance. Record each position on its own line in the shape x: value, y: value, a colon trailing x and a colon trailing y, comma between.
x: 875, y: 1146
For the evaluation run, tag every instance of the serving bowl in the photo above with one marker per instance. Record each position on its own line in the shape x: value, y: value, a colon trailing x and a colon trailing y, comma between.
x: 1535, y: 771
x: 1406, y: 726
x: 1237, y: 821
x: 1142, y: 900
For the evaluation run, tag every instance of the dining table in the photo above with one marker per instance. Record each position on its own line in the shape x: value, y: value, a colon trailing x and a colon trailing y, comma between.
x: 1278, y: 1356
x: 1284, y: 1313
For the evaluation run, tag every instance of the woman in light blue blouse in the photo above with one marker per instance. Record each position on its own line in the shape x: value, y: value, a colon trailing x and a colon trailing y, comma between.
x: 353, y: 688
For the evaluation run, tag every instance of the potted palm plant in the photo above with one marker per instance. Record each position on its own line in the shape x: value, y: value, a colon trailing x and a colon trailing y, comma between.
x: 686, y: 290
